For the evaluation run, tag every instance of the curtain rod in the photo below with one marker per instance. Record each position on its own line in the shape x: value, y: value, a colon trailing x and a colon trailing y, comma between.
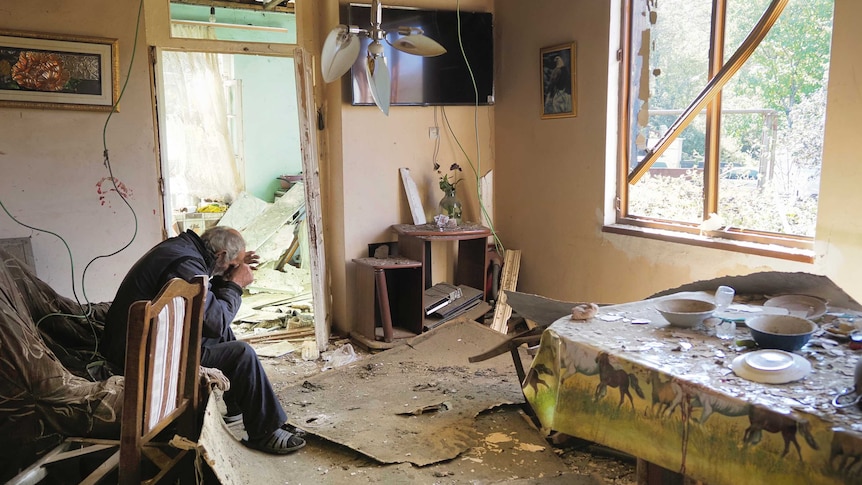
x: 230, y: 26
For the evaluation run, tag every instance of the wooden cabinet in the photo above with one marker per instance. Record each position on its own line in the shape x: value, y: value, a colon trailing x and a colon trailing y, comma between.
x: 388, y: 300
x: 389, y: 291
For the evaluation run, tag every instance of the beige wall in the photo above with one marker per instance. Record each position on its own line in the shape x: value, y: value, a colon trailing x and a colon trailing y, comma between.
x: 51, y: 160
x: 366, y: 150
x: 839, y: 232
x: 551, y: 175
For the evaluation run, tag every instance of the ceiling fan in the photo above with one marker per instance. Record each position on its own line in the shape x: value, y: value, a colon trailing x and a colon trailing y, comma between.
x: 341, y: 49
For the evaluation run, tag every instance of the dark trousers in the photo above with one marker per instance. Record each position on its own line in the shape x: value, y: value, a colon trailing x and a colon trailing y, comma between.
x: 249, y: 386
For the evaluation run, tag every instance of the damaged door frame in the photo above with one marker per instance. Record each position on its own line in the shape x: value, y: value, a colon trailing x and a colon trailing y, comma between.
x: 304, y: 65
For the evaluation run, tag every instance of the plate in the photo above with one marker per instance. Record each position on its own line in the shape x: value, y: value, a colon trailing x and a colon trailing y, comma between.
x: 835, y: 334
x: 798, y: 370
x: 808, y: 306
x: 769, y: 360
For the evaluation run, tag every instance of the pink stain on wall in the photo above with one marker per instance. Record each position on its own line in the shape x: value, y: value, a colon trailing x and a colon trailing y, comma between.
x: 112, y: 185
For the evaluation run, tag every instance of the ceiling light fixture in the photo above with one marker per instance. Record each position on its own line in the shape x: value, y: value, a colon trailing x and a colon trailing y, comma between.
x: 341, y: 49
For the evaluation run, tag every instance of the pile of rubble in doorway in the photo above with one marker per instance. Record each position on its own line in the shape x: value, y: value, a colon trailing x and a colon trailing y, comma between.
x: 277, y: 308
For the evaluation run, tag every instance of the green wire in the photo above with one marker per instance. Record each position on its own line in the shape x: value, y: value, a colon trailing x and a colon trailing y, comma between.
x: 108, y: 160
x: 68, y: 250
x: 476, y: 168
x: 87, y: 313
x: 497, y: 243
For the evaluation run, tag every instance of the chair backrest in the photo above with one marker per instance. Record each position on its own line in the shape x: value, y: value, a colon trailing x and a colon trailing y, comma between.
x: 162, y: 364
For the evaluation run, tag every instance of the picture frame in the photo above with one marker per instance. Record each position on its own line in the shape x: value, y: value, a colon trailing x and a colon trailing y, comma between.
x: 51, y: 71
x: 559, y: 81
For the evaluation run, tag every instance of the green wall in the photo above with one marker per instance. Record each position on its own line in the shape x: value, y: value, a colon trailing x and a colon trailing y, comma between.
x: 270, y: 119
x: 271, y: 122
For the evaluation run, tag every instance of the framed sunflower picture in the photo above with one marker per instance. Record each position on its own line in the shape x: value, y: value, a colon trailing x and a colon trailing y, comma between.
x: 559, y: 81
x: 47, y: 71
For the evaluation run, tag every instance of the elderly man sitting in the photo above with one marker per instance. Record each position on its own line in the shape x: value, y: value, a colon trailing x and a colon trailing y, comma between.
x: 219, y: 253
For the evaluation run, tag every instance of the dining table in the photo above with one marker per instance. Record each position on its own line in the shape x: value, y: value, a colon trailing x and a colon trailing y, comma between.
x: 677, y: 397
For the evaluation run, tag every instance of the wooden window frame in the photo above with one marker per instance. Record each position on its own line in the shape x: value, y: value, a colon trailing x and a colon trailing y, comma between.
x: 798, y: 248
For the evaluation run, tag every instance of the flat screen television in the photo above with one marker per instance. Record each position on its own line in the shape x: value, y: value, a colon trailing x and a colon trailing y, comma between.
x: 428, y: 81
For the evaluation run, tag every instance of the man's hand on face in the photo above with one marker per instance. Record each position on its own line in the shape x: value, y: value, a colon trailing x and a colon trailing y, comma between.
x: 251, y: 259
x: 240, y: 274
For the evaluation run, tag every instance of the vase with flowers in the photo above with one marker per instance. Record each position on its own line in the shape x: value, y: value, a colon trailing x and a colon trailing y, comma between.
x: 449, y: 205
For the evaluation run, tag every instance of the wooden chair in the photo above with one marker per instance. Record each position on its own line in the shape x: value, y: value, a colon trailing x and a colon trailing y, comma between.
x: 161, y: 389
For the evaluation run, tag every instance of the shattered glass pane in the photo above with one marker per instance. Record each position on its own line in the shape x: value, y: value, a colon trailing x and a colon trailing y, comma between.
x: 670, y: 39
x: 772, y: 114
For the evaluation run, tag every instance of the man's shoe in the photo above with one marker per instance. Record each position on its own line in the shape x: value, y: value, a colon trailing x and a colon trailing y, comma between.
x: 294, y: 430
x: 279, y: 442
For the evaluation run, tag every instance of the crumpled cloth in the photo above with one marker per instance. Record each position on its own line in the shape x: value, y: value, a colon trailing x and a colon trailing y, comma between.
x: 45, y: 393
x: 214, y: 379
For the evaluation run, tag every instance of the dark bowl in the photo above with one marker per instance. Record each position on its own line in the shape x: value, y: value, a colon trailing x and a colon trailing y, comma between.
x: 783, y: 332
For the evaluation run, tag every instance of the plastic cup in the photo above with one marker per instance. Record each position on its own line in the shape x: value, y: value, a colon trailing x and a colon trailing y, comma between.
x: 723, y: 298
x: 725, y: 329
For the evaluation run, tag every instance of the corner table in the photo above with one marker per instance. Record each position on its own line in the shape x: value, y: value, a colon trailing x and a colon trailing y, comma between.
x: 414, y: 242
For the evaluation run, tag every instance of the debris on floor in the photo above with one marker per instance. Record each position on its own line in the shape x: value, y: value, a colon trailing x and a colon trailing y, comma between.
x: 413, y: 403
x: 506, y: 447
x: 419, y: 411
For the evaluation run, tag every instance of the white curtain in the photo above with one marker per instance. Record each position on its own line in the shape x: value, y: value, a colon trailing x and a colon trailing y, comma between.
x: 201, y: 162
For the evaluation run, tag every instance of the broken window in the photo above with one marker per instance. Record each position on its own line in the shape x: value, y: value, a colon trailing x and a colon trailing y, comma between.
x: 723, y: 115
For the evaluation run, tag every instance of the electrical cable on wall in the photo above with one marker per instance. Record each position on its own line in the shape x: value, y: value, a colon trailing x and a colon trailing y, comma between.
x: 108, y: 159
x: 497, y: 243
x: 68, y: 249
x: 478, y: 166
x: 436, y: 140
x: 87, y: 313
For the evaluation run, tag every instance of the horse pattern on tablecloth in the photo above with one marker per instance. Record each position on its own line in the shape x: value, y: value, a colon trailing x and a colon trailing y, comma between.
x: 684, y: 423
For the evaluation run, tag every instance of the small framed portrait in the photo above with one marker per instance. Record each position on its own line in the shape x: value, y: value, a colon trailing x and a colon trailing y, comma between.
x: 559, y: 81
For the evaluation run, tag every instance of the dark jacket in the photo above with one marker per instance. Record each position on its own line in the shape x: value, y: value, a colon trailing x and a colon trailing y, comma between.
x: 185, y: 257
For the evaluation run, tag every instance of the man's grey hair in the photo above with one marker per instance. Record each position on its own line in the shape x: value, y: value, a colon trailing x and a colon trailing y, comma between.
x: 223, y: 238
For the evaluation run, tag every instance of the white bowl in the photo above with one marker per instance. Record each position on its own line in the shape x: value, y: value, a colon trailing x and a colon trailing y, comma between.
x: 685, y: 312
x: 805, y: 306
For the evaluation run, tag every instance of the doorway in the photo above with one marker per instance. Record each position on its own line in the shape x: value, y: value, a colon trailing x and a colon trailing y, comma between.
x: 255, y: 120
x: 231, y: 156
x: 230, y: 126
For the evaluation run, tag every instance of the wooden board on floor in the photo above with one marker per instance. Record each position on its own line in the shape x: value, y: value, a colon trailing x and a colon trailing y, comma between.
x: 508, y: 448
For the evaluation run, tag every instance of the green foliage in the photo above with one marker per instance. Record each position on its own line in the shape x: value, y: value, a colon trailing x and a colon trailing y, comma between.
x: 741, y: 204
x: 784, y: 81
x: 672, y: 198
x: 792, y: 57
x: 446, y: 185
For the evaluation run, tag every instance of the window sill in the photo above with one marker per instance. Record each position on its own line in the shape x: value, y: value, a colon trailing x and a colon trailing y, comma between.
x: 759, y: 249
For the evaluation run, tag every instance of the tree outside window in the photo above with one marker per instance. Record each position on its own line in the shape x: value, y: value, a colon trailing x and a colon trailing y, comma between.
x: 749, y: 161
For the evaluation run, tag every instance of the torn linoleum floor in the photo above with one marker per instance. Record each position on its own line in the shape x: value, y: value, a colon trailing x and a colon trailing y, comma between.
x: 414, y: 403
x: 488, y: 442
x: 507, y: 448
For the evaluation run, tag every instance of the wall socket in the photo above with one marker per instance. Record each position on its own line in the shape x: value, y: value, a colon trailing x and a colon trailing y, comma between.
x: 433, y: 132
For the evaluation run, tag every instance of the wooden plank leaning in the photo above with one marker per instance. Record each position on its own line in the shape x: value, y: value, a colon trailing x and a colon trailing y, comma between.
x: 509, y: 281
